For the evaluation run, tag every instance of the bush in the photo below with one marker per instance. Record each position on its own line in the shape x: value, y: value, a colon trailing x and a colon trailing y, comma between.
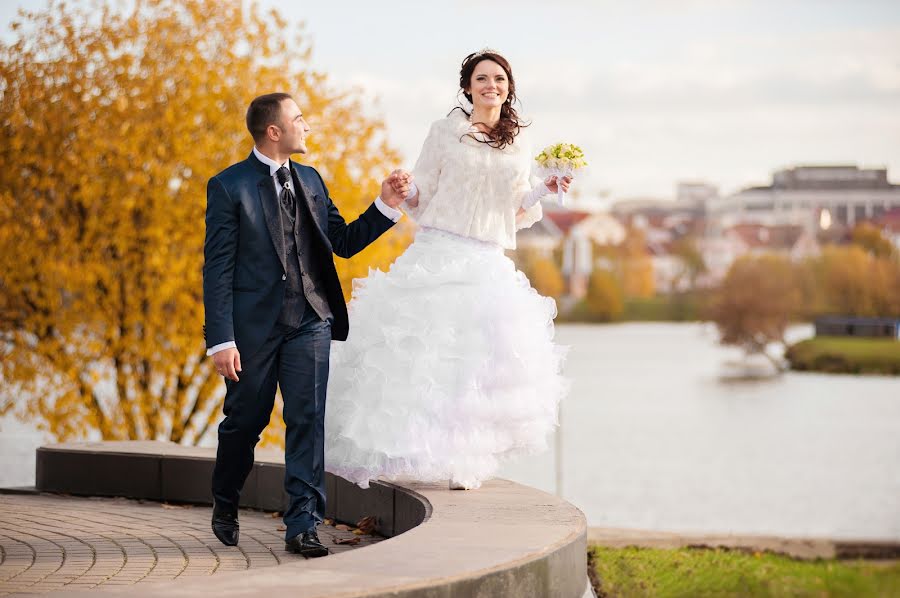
x: 844, y: 355
x: 546, y: 277
x: 604, y: 297
x: 854, y: 282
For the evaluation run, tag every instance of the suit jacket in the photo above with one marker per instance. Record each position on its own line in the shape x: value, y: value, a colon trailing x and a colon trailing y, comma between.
x: 244, y: 266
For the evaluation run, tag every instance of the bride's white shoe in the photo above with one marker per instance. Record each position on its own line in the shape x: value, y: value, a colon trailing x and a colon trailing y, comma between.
x: 454, y: 485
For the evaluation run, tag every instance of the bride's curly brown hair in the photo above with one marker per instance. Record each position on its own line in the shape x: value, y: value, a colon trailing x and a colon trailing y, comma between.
x: 505, y: 131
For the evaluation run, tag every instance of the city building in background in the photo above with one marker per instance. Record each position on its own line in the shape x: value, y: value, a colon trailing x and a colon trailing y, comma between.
x: 810, y: 196
x: 803, y: 207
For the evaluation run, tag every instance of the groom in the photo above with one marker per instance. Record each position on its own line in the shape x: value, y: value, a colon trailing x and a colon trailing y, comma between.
x: 273, y: 304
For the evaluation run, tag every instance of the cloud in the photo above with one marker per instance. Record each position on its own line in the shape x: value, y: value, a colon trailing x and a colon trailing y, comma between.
x: 729, y: 112
x: 815, y: 69
x: 654, y: 90
x: 647, y: 125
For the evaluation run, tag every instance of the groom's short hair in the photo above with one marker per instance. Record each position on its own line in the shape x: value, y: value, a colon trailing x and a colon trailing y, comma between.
x: 264, y: 111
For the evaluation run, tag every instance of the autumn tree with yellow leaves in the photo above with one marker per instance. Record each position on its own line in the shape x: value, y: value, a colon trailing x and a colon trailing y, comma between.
x: 604, y: 301
x: 111, y: 124
x: 870, y: 238
x: 542, y: 272
x: 854, y: 281
x: 756, y: 302
x: 635, y: 268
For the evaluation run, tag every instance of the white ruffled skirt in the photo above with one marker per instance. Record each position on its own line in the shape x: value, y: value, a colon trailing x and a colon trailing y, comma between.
x: 450, y: 367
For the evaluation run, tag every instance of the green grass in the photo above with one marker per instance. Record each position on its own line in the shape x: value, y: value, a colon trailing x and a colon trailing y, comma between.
x: 683, y: 307
x: 662, y: 308
x: 698, y: 572
x: 846, y: 355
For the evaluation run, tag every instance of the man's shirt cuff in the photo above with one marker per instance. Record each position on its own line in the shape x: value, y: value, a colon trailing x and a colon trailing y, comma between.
x: 390, y: 213
x: 220, y: 347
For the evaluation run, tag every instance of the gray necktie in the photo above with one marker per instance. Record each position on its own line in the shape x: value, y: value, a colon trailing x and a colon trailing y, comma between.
x: 286, y: 195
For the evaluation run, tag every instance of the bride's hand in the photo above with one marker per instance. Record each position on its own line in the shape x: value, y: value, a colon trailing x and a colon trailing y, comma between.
x: 400, y: 180
x: 395, y: 187
x: 552, y: 182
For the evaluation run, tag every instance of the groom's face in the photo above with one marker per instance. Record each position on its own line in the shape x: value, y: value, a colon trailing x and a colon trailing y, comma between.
x: 293, y: 128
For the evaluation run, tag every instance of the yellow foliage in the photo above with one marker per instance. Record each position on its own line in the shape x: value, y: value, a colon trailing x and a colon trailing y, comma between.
x: 756, y: 301
x: 870, y: 238
x: 604, y: 297
x: 111, y: 124
x: 635, y: 266
x: 855, y: 282
x: 546, y: 277
x: 637, y: 277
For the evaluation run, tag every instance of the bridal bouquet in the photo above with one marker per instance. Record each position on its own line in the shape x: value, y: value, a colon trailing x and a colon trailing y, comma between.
x: 560, y: 159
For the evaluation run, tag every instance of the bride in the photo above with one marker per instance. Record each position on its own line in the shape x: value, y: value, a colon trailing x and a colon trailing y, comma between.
x: 450, y: 366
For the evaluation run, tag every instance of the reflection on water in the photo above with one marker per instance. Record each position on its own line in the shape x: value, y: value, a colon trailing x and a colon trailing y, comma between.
x: 654, y: 438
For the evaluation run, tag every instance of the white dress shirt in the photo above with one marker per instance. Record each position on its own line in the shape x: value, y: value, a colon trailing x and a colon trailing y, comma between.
x: 388, y: 212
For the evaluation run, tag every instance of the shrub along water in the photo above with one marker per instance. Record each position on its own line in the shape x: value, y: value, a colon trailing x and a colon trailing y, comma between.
x: 846, y: 355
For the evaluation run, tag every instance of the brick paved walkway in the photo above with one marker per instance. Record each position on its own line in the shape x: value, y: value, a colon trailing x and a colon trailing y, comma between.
x: 51, y: 543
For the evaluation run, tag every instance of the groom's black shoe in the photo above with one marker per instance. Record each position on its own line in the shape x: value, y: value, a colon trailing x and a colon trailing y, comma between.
x: 307, y: 544
x: 225, y: 525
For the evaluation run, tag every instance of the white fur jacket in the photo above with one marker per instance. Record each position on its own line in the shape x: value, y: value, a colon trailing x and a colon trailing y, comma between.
x: 471, y: 189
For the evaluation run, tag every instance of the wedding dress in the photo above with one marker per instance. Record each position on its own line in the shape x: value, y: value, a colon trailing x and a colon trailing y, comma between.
x: 450, y: 366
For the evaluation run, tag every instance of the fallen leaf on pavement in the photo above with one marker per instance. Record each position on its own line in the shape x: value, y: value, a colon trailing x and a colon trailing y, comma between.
x: 281, y: 528
x: 343, y: 527
x: 366, y: 524
x: 348, y: 541
x: 328, y: 521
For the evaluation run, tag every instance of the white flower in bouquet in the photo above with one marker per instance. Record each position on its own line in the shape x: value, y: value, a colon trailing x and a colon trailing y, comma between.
x: 560, y: 160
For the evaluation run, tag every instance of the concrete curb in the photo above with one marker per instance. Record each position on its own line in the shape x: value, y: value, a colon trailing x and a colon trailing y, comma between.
x: 501, y: 540
x: 170, y: 472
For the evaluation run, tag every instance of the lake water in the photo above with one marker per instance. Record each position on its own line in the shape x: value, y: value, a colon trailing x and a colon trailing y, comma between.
x: 654, y: 438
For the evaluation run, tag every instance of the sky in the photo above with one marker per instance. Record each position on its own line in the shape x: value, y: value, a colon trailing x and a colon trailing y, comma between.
x: 655, y: 91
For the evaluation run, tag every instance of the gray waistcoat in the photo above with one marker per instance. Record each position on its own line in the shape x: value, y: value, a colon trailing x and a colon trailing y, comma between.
x: 303, y: 283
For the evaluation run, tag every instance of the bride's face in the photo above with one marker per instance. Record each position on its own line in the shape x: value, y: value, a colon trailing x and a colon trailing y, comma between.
x: 489, y: 85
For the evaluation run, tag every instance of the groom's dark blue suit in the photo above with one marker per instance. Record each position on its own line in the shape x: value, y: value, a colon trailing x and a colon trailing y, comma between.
x: 255, y: 253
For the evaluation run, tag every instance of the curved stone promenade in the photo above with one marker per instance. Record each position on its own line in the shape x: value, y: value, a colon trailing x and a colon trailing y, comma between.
x: 52, y: 543
x: 504, y: 539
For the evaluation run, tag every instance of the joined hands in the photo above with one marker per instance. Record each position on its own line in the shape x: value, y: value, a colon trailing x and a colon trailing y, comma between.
x: 395, y: 187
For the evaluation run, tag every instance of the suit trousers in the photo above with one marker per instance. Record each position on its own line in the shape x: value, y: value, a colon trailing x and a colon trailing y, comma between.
x: 296, y: 360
